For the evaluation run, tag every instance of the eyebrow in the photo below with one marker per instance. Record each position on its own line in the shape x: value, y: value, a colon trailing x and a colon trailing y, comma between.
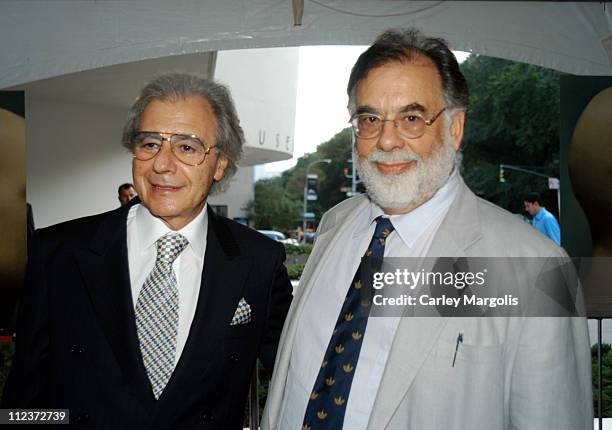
x: 148, y: 132
x: 367, y: 109
x: 412, y: 107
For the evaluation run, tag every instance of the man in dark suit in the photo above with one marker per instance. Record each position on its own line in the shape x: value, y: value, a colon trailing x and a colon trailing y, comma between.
x: 152, y: 316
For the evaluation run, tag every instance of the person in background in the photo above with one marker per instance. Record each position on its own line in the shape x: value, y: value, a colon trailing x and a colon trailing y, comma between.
x: 126, y: 193
x: 542, y: 219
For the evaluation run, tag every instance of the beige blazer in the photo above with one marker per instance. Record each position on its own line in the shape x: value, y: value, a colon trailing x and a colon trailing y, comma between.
x: 510, y: 373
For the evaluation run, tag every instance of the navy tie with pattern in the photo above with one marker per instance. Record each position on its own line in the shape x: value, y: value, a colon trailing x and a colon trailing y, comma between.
x: 327, y: 405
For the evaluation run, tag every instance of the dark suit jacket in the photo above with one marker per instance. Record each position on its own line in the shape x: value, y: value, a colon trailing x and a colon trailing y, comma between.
x: 77, y: 345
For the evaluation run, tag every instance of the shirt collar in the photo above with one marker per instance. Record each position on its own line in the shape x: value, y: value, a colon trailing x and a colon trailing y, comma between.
x: 540, y: 214
x: 411, y: 225
x: 151, y: 228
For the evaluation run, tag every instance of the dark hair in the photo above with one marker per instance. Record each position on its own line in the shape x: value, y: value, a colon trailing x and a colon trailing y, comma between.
x: 124, y: 187
x: 533, y: 198
x: 400, y: 45
x: 179, y: 86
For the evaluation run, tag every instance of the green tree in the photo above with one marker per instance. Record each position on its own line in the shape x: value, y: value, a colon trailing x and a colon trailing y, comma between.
x: 513, y: 119
x: 278, y: 201
x: 606, y: 365
x: 331, y: 176
x: 338, y: 149
x: 273, y: 208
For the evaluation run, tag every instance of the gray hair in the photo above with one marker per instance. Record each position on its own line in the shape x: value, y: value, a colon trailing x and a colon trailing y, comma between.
x: 179, y: 86
x: 400, y: 45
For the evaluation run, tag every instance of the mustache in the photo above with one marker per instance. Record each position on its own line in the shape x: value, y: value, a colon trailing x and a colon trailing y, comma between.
x: 399, y: 155
x: 163, y: 184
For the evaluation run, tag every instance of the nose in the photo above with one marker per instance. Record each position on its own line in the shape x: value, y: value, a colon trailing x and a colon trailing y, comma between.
x: 164, y: 160
x: 389, y: 138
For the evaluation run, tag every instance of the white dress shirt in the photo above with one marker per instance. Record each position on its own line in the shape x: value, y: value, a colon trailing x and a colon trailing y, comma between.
x: 412, y: 237
x: 143, y: 231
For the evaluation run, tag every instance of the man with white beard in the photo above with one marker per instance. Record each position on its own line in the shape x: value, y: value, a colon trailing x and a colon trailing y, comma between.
x: 337, y: 367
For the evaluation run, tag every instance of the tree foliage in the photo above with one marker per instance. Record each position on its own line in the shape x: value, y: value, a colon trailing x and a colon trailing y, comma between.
x: 272, y: 208
x: 606, y: 373
x: 338, y: 149
x: 513, y: 119
x: 278, y: 201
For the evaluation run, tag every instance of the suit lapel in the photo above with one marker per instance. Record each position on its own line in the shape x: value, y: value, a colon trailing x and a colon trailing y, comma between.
x: 324, y: 243
x: 415, y: 337
x: 104, y: 267
x: 461, y: 227
x: 222, y: 285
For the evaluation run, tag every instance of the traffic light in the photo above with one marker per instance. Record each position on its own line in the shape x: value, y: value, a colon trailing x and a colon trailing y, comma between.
x: 502, y: 179
x: 311, y: 187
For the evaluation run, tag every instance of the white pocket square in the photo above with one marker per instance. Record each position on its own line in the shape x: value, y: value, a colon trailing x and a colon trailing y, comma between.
x: 242, y: 314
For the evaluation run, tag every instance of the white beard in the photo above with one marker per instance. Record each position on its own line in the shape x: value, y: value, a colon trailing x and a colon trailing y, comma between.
x: 410, y: 188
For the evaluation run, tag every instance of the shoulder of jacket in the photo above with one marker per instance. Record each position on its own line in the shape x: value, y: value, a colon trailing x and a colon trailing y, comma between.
x: 341, y: 210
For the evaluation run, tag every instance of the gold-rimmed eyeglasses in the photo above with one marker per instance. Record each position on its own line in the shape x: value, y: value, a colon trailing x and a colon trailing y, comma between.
x: 187, y: 148
x: 410, y: 125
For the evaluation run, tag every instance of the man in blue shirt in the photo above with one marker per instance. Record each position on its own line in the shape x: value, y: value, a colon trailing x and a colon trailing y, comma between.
x: 542, y: 219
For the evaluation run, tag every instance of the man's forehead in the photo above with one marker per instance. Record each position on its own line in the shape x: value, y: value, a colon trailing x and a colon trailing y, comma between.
x: 190, y: 115
x: 192, y: 101
x: 417, y: 80
x: 415, y: 60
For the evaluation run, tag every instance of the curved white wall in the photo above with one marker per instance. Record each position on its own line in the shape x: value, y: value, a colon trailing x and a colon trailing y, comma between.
x: 264, y: 86
x: 69, y: 176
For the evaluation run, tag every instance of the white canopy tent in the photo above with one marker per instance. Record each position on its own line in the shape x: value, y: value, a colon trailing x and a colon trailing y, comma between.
x: 82, y: 62
x: 42, y: 39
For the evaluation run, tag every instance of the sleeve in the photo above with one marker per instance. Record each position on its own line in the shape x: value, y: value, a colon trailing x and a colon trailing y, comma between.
x: 551, y: 385
x: 551, y: 379
x: 552, y: 229
x: 26, y: 385
x: 280, y: 300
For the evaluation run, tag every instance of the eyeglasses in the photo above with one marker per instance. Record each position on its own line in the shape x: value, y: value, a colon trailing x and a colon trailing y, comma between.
x: 409, y: 125
x: 187, y: 148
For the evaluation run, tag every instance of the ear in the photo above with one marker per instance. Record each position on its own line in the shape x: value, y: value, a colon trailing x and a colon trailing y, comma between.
x: 221, y: 165
x: 456, y: 130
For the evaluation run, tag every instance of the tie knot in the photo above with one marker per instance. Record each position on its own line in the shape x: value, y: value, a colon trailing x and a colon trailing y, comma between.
x: 383, y: 228
x: 169, y: 246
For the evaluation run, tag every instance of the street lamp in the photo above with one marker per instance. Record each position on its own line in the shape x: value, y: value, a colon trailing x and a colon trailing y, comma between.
x: 323, y: 160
